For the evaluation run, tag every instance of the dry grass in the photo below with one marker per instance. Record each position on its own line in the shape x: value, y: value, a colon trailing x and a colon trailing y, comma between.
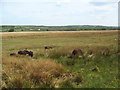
x: 19, y: 73
x: 42, y: 70
x: 38, y: 71
x: 53, y: 32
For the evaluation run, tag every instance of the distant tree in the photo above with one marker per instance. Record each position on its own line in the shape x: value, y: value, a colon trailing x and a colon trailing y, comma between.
x: 103, y: 29
x: 11, y: 30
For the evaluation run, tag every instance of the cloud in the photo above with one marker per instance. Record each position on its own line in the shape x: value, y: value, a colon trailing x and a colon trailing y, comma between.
x: 60, y: 12
x: 107, y: 1
x: 64, y: 1
x: 100, y: 3
x: 60, y: 3
x: 26, y: 1
x: 38, y: 1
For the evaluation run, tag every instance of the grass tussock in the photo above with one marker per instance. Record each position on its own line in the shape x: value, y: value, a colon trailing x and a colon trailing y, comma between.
x: 41, y: 71
x: 38, y: 72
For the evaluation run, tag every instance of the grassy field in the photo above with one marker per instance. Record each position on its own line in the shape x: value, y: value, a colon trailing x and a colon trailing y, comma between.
x: 52, y: 68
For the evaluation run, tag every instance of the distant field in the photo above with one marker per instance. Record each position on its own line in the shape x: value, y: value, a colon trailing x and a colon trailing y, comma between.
x: 52, y: 67
x: 31, y: 32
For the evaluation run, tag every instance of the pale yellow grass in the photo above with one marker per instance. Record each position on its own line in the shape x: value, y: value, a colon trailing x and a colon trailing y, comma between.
x: 48, y: 32
x: 18, y: 71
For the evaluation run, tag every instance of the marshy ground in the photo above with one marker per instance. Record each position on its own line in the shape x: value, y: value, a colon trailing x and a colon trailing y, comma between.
x: 51, y: 68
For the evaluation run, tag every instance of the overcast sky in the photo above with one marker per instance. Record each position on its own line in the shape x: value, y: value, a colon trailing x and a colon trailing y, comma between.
x: 59, y: 12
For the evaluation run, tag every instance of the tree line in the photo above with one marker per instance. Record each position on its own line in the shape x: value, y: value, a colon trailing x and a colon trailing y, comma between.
x: 15, y: 28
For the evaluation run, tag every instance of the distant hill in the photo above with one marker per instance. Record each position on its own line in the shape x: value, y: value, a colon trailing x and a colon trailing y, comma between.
x: 8, y: 28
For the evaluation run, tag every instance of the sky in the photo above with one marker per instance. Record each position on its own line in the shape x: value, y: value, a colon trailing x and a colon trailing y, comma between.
x: 59, y: 12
